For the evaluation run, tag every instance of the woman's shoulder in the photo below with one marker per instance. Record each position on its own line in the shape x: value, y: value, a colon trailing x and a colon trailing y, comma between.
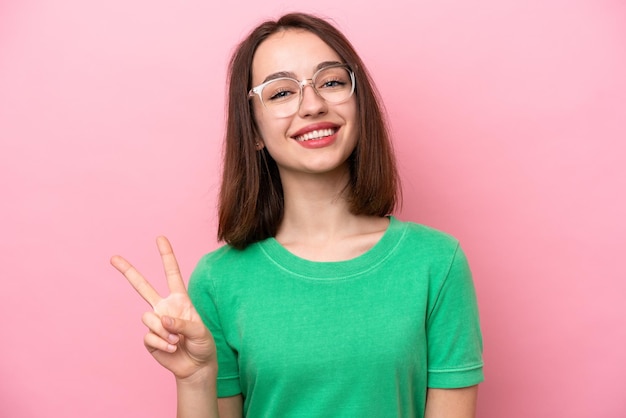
x: 424, y: 236
x: 424, y: 245
x: 226, y: 261
x: 226, y: 254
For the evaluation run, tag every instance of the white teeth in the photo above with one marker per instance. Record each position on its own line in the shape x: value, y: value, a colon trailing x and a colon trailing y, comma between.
x: 320, y: 133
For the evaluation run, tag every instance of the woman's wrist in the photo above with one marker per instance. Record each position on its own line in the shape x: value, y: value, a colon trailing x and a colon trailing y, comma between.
x: 206, y: 376
x: 197, y: 394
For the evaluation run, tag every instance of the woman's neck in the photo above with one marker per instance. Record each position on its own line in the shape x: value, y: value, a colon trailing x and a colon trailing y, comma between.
x: 317, y: 223
x: 314, y: 204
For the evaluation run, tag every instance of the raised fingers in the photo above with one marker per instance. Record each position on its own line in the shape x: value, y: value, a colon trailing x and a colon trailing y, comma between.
x: 137, y: 281
x: 170, y: 265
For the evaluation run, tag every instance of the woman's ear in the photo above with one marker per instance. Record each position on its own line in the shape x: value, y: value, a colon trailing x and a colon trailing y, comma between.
x: 259, y: 145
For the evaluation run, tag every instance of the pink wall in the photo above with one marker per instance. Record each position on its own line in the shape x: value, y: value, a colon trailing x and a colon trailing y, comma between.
x: 509, y: 120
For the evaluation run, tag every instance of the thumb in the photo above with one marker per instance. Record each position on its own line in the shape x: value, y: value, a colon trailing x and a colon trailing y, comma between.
x: 183, y: 327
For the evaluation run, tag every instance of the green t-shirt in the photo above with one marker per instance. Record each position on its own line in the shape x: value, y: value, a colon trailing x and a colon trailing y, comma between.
x: 364, y: 337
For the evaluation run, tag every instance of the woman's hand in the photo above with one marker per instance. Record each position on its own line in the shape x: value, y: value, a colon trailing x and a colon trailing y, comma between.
x: 177, y: 337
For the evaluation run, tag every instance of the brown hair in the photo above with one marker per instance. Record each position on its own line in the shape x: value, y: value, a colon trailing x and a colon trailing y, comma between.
x: 251, y: 195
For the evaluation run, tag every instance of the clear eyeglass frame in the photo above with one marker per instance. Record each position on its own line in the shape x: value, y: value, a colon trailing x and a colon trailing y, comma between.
x: 288, y: 107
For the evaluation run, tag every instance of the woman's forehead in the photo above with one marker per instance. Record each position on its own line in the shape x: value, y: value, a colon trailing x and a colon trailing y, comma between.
x: 295, y: 51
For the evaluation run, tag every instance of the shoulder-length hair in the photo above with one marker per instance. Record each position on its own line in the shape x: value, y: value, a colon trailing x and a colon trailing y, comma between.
x: 251, y: 194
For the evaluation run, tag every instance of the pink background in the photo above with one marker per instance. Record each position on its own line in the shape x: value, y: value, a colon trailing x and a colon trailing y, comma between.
x: 509, y: 118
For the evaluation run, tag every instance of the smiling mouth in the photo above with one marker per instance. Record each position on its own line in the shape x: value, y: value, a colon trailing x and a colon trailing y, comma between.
x: 317, y: 134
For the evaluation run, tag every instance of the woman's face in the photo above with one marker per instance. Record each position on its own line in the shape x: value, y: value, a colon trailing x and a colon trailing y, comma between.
x: 320, y: 136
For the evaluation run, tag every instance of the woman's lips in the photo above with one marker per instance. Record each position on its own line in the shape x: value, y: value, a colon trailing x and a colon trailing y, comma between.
x: 315, y: 130
x: 316, y: 134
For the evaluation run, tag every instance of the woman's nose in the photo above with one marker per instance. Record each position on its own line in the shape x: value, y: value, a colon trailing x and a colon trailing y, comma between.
x: 311, y: 103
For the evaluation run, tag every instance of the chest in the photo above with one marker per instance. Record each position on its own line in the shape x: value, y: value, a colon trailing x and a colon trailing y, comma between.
x: 292, y: 330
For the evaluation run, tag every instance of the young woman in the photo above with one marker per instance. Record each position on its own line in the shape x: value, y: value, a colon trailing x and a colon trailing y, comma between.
x: 321, y: 304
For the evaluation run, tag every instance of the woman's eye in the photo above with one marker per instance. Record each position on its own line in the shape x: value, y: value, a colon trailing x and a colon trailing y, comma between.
x: 332, y: 84
x: 281, y: 95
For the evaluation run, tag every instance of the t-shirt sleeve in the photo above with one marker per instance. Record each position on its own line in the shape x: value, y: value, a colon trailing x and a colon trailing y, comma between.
x: 453, y: 329
x: 204, y: 298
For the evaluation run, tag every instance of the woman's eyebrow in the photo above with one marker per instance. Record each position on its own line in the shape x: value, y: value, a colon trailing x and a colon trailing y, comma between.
x: 279, y: 74
x: 326, y: 64
x: 289, y: 74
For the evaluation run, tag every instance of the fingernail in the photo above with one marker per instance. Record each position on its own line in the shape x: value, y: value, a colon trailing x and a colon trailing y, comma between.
x: 172, y: 338
x: 168, y: 321
x: 171, y: 348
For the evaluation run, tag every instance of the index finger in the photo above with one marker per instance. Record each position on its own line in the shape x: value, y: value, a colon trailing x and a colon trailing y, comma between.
x: 170, y: 265
x: 141, y: 285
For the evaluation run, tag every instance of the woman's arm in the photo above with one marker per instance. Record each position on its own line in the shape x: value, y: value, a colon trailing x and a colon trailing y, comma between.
x: 230, y: 407
x: 177, y: 338
x: 197, y: 397
x: 451, y: 403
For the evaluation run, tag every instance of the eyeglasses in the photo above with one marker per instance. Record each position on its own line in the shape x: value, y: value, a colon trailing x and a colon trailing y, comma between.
x: 283, y: 96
